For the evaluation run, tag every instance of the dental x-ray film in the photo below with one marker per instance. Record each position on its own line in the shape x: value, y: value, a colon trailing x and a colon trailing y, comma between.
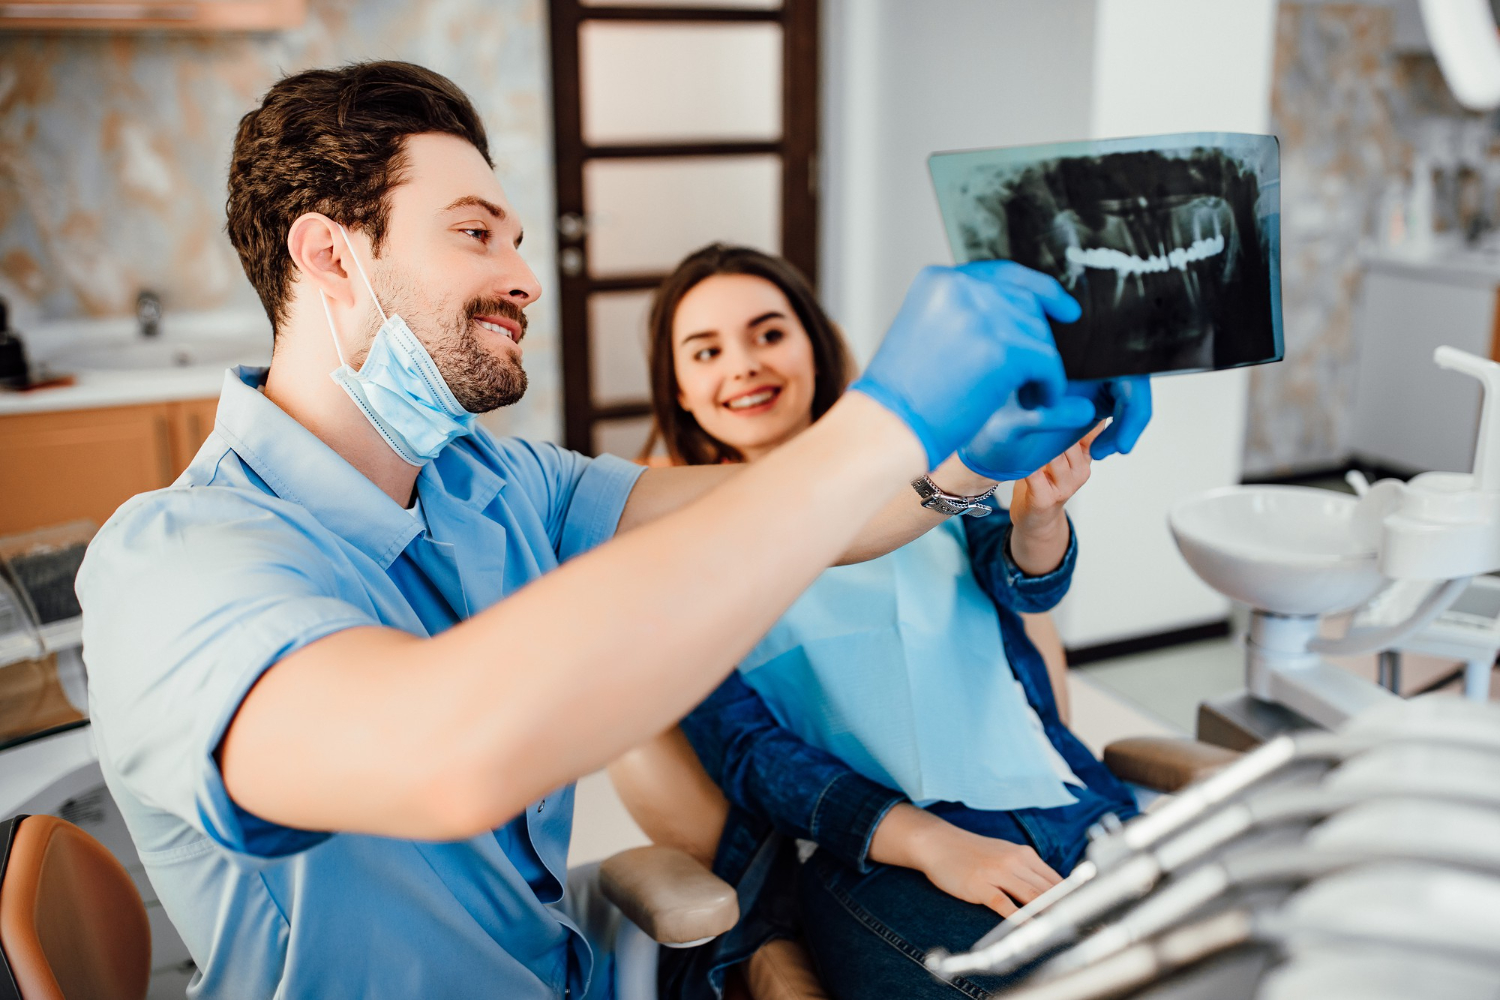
x: 1171, y: 243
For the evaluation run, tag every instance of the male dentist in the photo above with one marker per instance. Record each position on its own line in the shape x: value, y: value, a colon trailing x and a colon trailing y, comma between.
x: 343, y: 672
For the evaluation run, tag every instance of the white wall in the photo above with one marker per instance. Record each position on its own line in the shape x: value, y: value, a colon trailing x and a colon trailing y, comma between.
x: 905, y: 78
x: 1166, y: 66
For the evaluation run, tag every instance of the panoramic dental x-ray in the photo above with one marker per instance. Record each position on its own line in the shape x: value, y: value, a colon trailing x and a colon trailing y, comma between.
x: 1171, y: 243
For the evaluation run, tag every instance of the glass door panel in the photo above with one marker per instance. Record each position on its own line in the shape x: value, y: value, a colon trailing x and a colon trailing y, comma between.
x: 728, y: 4
x: 705, y: 81
x: 647, y: 214
x: 624, y: 438
x: 617, y: 347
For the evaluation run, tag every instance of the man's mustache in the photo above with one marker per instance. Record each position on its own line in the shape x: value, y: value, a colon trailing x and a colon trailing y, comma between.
x: 497, y: 307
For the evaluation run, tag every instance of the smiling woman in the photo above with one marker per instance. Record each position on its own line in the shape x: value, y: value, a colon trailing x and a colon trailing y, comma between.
x: 729, y: 392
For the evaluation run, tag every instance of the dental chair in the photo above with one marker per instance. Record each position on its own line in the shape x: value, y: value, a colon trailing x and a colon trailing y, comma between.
x: 72, y: 924
x: 669, y: 891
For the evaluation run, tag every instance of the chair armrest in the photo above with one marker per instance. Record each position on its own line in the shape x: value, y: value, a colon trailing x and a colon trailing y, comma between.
x: 669, y: 895
x: 1164, y: 763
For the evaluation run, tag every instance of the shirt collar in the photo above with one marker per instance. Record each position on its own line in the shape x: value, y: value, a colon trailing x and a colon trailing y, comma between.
x: 303, y: 470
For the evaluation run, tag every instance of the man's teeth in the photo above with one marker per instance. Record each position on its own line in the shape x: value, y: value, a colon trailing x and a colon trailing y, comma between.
x: 495, y: 328
x: 754, y: 399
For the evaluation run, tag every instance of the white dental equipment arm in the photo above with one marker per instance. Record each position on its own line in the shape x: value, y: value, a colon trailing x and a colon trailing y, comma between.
x: 1128, y: 864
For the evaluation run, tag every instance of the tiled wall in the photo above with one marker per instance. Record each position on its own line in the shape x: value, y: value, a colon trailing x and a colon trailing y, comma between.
x: 114, y: 150
x: 1348, y: 109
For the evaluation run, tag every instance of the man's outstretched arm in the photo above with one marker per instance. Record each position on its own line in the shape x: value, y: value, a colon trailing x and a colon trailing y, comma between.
x: 371, y: 730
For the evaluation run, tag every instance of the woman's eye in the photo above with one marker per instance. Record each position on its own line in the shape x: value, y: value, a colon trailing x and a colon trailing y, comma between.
x: 706, y: 354
x: 773, y: 336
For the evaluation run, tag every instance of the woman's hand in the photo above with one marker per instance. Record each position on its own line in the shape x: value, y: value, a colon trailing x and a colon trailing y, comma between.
x: 1039, y: 538
x: 967, y: 866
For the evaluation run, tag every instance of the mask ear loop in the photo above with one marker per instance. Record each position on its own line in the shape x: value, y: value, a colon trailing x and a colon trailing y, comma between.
x: 328, y: 312
x: 361, y: 269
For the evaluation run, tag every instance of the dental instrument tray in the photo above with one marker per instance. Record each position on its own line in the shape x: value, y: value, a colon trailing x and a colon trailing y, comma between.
x: 39, y: 568
x: 1171, y: 243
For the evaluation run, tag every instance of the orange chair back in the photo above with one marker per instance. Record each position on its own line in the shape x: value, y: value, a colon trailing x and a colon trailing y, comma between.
x: 72, y: 925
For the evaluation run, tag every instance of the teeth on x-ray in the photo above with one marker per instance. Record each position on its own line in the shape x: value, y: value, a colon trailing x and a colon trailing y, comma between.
x: 1104, y: 258
x: 1170, y: 243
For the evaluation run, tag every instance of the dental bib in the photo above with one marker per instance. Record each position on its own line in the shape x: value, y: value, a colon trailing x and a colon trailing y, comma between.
x: 896, y: 666
x: 399, y: 388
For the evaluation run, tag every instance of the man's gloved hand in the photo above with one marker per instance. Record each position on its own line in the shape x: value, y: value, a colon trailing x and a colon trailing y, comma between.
x: 1018, y: 440
x: 967, y: 339
x: 1130, y: 408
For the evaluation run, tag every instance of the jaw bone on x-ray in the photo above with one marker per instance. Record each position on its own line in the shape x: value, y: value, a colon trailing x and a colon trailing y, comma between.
x: 1171, y: 243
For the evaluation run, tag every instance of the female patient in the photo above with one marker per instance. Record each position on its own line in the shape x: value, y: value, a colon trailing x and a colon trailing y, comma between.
x: 898, y: 716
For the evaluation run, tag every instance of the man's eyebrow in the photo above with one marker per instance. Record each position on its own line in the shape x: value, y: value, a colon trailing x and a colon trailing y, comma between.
x: 477, y: 202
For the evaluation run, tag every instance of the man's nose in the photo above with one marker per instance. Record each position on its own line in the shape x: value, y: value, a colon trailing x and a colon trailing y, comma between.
x: 524, y: 288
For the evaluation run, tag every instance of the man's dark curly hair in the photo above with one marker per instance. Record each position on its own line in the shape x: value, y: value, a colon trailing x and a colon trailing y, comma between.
x: 331, y: 141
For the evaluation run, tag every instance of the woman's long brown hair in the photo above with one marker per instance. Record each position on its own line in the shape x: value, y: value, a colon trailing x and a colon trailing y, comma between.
x: 686, y: 442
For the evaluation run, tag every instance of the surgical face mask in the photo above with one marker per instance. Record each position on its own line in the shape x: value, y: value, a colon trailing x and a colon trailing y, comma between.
x: 399, y: 388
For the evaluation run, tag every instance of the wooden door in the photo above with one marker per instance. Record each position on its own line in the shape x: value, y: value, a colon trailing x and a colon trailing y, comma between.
x: 676, y: 124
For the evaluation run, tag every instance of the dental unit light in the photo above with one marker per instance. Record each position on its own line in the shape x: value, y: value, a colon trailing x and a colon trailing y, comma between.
x: 1467, y: 47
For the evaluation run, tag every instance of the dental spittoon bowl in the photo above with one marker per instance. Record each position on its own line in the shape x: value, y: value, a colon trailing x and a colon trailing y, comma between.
x: 1292, y: 550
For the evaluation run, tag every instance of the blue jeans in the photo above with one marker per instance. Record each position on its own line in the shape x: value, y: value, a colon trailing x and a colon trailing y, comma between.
x: 869, y: 932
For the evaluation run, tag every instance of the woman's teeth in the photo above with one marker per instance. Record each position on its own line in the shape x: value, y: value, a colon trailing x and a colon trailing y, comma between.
x: 496, y: 328
x: 754, y: 399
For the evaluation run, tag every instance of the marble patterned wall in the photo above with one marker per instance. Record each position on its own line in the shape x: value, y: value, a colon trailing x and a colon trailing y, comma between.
x: 1348, y: 109
x: 114, y: 150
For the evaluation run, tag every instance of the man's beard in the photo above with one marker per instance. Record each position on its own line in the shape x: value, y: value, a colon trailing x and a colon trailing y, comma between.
x: 479, y: 380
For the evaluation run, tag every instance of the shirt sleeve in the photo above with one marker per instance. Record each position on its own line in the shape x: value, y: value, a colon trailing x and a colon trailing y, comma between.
x: 996, y: 571
x: 580, y: 498
x: 771, y: 772
x: 188, y: 596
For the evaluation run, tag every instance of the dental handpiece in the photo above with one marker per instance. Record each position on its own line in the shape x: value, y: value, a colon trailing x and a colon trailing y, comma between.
x: 1431, y: 913
x: 1458, y: 774
x: 1427, y: 719
x: 1402, y: 829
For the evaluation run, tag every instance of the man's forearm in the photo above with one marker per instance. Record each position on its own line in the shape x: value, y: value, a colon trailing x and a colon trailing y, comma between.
x: 449, y: 736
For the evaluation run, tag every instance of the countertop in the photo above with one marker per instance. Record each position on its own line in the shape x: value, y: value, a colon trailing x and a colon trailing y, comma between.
x: 1448, y: 262
x: 113, y: 365
x: 92, y: 390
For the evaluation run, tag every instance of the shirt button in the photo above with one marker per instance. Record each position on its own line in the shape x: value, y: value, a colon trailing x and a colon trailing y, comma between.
x: 540, y: 804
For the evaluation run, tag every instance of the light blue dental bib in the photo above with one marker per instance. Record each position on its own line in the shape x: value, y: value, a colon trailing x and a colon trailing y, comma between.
x: 896, y: 666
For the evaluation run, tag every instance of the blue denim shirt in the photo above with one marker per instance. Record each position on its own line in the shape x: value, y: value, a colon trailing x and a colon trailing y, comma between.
x: 781, y: 788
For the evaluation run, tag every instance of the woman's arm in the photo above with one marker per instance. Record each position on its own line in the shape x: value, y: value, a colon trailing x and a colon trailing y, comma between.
x: 771, y: 772
x: 807, y: 792
x: 1024, y: 558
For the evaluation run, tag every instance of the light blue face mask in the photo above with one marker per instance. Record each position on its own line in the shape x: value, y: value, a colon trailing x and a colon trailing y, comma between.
x: 399, y: 388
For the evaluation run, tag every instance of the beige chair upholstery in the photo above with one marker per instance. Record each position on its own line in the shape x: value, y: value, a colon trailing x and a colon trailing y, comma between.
x: 72, y: 925
x: 1163, y: 763
x: 669, y: 894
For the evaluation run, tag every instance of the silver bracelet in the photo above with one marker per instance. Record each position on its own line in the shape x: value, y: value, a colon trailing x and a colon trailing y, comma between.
x: 936, y: 498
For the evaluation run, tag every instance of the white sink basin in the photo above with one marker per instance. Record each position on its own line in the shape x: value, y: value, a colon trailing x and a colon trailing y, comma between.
x: 1288, y: 549
x: 145, y: 355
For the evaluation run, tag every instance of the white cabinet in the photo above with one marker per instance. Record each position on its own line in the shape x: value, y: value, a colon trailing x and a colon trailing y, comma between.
x: 1409, y: 414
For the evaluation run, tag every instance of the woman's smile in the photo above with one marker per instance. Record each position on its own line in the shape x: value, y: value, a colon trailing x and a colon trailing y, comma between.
x: 754, y: 402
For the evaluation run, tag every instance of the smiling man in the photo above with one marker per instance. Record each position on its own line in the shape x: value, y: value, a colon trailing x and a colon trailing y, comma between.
x: 340, y: 677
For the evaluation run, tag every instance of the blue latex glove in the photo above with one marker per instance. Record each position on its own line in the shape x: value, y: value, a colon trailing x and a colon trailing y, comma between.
x: 967, y: 339
x: 1018, y: 440
x: 1131, y: 410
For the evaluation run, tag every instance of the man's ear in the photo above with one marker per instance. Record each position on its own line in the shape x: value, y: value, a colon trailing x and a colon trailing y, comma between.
x: 322, y: 257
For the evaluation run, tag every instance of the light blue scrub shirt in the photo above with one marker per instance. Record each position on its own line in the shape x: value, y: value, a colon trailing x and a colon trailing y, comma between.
x: 266, y: 543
